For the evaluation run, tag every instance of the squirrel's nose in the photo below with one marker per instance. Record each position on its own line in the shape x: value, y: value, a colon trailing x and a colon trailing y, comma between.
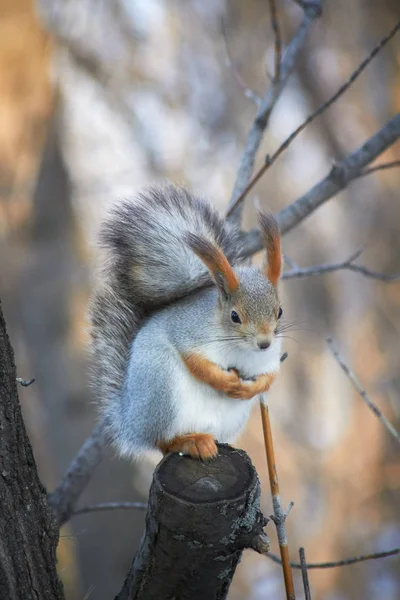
x: 263, y: 345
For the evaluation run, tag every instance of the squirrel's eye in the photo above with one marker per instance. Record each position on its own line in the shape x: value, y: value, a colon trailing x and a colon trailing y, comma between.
x: 235, y: 317
x: 280, y: 313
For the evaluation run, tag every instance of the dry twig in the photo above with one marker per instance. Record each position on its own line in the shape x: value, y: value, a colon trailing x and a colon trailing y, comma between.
x: 109, y: 506
x: 336, y: 180
x: 311, y: 11
x: 279, y: 517
x: 299, y: 272
x: 323, y: 565
x: 66, y: 495
x: 278, y: 40
x: 339, y: 563
x: 385, y: 422
x: 307, y: 592
x: 248, y: 92
x: 269, y: 160
x: 381, y: 167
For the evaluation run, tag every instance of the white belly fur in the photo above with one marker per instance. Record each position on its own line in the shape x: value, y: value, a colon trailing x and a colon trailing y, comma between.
x: 200, y: 408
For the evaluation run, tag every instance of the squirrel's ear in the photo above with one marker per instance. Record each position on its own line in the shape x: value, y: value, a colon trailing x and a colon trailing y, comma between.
x: 272, y: 240
x: 216, y: 261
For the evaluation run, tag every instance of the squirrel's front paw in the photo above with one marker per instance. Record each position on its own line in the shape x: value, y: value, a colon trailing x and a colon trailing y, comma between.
x: 238, y: 388
x: 233, y: 384
x: 248, y: 389
x: 261, y: 384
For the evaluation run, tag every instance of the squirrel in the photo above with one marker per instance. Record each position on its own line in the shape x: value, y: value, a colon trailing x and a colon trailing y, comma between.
x: 184, y: 337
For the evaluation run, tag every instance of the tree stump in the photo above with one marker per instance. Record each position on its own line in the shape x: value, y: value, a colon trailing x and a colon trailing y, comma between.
x: 200, y: 518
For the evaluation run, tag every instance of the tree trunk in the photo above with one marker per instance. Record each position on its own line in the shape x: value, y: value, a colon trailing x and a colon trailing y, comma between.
x: 200, y: 518
x: 28, y: 530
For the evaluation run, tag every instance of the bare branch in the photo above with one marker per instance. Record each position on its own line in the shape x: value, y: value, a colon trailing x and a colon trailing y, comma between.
x: 307, y: 592
x: 109, y: 506
x: 278, y: 40
x: 279, y: 517
x: 273, y: 557
x: 298, y: 272
x: 340, y: 175
x: 256, y: 133
x: 373, y: 274
x: 81, y: 469
x: 362, y: 392
x: 290, y: 262
x: 337, y: 179
x: 269, y: 160
x: 248, y: 92
x: 339, y: 563
x: 64, y: 498
x: 381, y: 167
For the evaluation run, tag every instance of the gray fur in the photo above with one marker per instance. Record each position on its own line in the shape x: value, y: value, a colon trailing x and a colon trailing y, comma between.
x: 146, y: 413
x: 148, y: 266
x: 258, y: 296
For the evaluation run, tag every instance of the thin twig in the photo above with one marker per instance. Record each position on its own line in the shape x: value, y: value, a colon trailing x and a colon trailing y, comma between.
x: 66, y: 495
x: 336, y: 180
x: 279, y: 517
x: 345, y: 265
x: 26, y: 383
x: 290, y: 262
x: 339, y: 563
x: 381, y: 167
x: 256, y: 133
x: 109, y: 506
x: 248, y: 92
x: 307, y: 592
x: 278, y: 40
x: 269, y: 160
x: 385, y: 422
x: 273, y: 557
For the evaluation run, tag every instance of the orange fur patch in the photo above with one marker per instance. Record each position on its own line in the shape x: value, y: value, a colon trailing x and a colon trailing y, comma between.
x: 227, y: 382
x: 272, y: 241
x: 197, y: 445
x: 208, y: 372
x: 215, y: 260
x: 218, y: 263
x: 274, y: 266
x: 264, y: 328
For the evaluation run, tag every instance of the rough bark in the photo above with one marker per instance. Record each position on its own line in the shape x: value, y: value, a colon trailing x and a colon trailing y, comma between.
x: 200, y: 518
x: 28, y: 530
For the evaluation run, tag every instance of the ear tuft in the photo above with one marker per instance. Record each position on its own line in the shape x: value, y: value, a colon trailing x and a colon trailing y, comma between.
x: 272, y: 240
x: 216, y: 261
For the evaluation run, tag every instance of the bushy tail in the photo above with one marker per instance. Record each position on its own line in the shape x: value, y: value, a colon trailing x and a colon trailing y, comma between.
x: 147, y: 264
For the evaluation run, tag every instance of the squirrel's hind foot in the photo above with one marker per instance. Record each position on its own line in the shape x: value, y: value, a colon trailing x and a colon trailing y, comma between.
x: 200, y: 446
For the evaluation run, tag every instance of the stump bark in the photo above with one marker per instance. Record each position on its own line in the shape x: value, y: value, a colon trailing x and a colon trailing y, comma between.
x: 28, y: 529
x: 200, y: 518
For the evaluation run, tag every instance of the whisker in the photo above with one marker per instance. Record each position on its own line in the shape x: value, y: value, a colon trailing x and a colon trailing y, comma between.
x: 288, y: 337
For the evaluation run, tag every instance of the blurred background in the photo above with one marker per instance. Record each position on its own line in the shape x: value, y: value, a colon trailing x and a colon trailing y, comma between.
x: 98, y: 98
